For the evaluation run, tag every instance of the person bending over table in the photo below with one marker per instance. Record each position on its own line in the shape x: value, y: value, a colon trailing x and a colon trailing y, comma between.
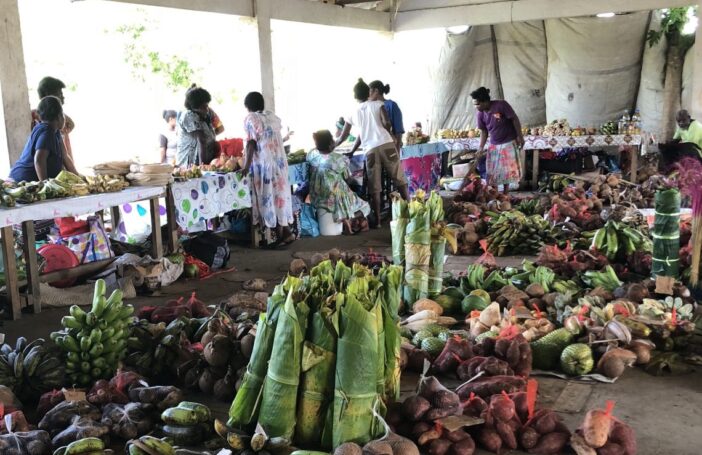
x: 266, y: 161
x: 196, y: 134
x: 330, y: 183
x: 378, y: 90
x: 43, y: 156
x: 497, y: 119
x: 374, y: 128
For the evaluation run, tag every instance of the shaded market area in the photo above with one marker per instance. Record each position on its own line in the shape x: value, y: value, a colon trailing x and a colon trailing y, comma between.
x: 500, y: 255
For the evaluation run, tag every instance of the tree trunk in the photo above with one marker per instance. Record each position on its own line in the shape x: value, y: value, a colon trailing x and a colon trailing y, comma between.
x: 672, y: 89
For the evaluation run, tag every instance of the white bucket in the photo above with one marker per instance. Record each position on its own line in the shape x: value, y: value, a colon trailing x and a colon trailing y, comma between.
x: 460, y: 170
x: 327, y: 226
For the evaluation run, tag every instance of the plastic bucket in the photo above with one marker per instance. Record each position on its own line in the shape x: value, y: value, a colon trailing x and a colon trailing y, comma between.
x: 327, y: 226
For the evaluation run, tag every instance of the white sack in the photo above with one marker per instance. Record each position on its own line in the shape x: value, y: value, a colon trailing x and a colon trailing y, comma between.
x: 521, y: 50
x: 594, y: 65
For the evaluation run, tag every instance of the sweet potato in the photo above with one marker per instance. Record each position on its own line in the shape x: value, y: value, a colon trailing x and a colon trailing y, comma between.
x: 611, y: 448
x: 440, y: 413
x: 486, y: 387
x: 551, y: 444
x: 439, y: 447
x: 474, y: 406
x: 509, y: 439
x: 489, y: 439
x: 623, y: 435
x: 529, y: 437
x: 520, y: 405
x: 502, y: 407
x: 415, y: 407
x: 455, y: 436
x: 546, y: 422
x: 596, y: 428
x: 428, y: 436
x: 420, y: 428
x: 463, y: 447
x: 445, y: 399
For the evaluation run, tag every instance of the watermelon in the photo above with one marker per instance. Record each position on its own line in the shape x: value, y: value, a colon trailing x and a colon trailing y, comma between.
x: 472, y: 303
x: 450, y: 305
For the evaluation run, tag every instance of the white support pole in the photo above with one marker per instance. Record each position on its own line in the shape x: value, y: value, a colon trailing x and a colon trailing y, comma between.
x: 697, y: 72
x: 265, y: 49
x: 15, y: 110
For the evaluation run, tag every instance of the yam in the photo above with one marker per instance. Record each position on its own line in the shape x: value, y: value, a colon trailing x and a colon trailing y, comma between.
x: 486, y: 387
x: 596, y: 428
x: 415, y: 407
x: 551, y: 444
x: 463, y: 447
x: 623, y: 435
x: 439, y: 447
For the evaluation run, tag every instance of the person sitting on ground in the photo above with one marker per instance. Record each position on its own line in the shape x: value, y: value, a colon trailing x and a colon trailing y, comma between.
x: 50, y: 86
x: 372, y: 121
x: 43, y: 156
x: 378, y: 90
x: 330, y: 184
x: 687, y: 142
x: 689, y: 131
x: 196, y: 136
x: 169, y: 138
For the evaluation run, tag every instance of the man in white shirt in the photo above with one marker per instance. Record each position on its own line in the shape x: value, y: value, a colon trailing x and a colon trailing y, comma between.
x: 374, y: 128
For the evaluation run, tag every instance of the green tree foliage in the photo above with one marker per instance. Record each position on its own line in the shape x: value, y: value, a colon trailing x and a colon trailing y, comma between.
x: 672, y: 24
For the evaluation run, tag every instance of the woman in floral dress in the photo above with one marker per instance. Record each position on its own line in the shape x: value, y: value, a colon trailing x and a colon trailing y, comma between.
x: 329, y: 190
x: 265, y: 159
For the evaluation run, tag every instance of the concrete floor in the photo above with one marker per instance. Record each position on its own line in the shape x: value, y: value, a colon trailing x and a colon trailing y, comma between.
x: 670, y: 427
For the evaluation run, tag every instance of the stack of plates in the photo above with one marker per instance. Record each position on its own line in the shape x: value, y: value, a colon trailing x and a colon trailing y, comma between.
x: 150, y: 174
x: 113, y: 168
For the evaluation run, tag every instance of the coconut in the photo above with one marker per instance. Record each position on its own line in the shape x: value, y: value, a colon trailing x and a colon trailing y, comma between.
x: 334, y: 255
x: 297, y: 267
x: 348, y: 448
x: 247, y: 343
x: 636, y: 292
x: 206, y: 381
x: 317, y: 258
x: 535, y: 290
x: 217, y: 351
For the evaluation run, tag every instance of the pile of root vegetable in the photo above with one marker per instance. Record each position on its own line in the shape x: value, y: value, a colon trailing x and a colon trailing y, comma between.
x: 570, y: 211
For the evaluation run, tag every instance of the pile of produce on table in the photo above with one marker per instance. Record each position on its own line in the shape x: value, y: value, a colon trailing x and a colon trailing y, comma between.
x: 332, y: 333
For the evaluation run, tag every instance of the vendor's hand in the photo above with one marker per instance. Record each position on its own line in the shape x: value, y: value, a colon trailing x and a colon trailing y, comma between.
x: 520, y: 141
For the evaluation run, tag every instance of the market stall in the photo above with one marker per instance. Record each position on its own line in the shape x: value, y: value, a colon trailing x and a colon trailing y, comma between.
x: 25, y: 215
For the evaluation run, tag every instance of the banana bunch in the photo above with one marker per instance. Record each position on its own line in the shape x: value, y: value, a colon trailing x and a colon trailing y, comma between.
x: 31, y: 369
x: 106, y: 183
x: 152, y: 349
x: 515, y: 232
x: 54, y: 189
x: 615, y: 238
x: 149, y: 445
x: 74, y: 182
x: 95, y: 341
x: 184, y: 423
x: 555, y: 183
x: 24, y: 193
x: 606, y: 279
x: 530, y: 207
x: 85, y: 446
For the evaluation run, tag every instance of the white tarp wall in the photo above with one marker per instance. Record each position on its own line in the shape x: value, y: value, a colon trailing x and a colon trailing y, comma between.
x: 587, y: 70
x: 687, y: 79
x: 594, y: 66
x: 521, y: 50
x: 650, y: 99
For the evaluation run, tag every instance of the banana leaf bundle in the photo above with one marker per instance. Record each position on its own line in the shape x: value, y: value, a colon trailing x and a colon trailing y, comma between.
x: 391, y: 277
x: 244, y: 409
x: 666, y: 234
x: 355, y: 391
x: 398, y: 226
x: 417, y: 250
x: 279, y: 401
x: 317, y: 385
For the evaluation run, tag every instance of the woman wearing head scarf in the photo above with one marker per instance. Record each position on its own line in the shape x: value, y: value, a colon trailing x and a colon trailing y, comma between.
x: 169, y: 138
x: 378, y: 90
x: 196, y: 136
x: 268, y: 165
x: 329, y: 185
x: 497, y: 119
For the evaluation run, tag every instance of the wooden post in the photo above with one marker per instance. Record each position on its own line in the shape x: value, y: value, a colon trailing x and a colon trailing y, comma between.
x: 114, y: 218
x: 30, y: 259
x: 535, y: 169
x: 11, y: 281
x: 156, y: 240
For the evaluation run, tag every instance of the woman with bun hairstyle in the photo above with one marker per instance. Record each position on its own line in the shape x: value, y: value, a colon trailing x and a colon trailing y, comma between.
x: 371, y: 120
x: 497, y: 119
x: 169, y: 138
x: 378, y: 90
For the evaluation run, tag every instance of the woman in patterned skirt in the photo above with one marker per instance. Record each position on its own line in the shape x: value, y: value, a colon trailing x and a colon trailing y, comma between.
x: 266, y: 160
x: 497, y: 119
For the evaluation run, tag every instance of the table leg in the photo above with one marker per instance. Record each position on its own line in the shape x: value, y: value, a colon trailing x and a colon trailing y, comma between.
x: 634, y: 163
x: 32, y: 267
x: 522, y: 165
x: 114, y: 218
x: 534, y: 170
x: 172, y: 240
x: 156, y: 240
x: 11, y: 281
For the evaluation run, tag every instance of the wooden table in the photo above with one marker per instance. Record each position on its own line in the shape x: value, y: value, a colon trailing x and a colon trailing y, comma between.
x: 25, y: 215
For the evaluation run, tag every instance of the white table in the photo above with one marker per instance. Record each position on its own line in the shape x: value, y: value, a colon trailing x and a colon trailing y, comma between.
x: 56, y: 208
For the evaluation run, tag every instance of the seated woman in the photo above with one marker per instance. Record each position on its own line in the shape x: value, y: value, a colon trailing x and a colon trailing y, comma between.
x: 329, y: 185
x: 43, y: 156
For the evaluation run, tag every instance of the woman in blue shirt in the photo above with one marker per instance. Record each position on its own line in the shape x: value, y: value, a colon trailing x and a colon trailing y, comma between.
x: 43, y: 156
x: 378, y: 90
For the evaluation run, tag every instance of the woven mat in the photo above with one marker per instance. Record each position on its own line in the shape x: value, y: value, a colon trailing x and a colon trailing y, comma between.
x: 77, y: 295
